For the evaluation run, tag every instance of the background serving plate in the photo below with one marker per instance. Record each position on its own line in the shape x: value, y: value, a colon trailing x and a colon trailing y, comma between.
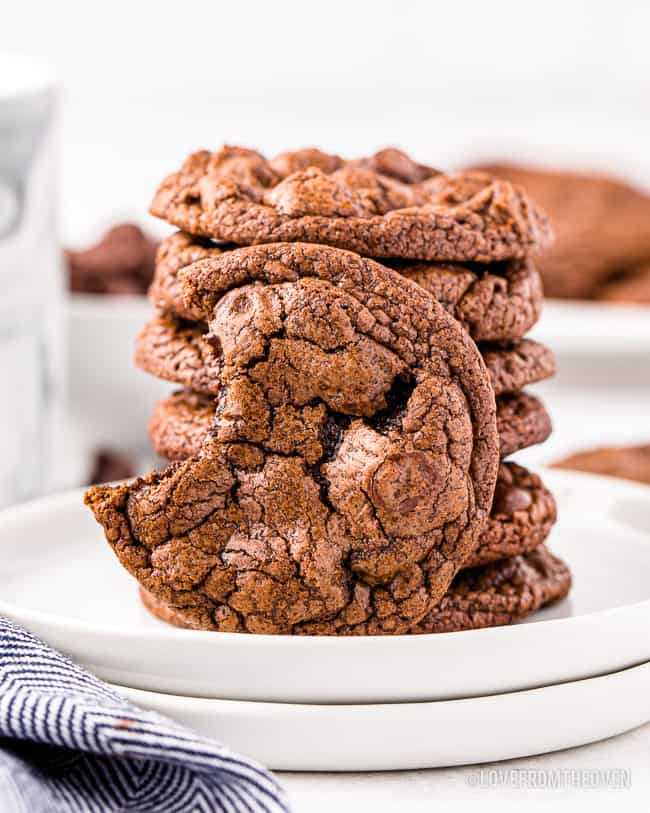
x: 60, y: 579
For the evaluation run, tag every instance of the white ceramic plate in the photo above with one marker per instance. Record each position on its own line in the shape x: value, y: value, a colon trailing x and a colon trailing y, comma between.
x: 60, y: 579
x: 398, y: 736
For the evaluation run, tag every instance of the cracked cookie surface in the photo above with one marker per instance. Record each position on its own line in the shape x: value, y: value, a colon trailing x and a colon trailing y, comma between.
x: 523, y: 513
x: 514, y: 365
x: 488, y: 596
x: 174, y: 254
x: 350, y: 466
x: 499, y: 593
x: 495, y: 302
x: 522, y: 421
x: 371, y: 206
x: 180, y: 423
x: 182, y: 353
x: 523, y: 509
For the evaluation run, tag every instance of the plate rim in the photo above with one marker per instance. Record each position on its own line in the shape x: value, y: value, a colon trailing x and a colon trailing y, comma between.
x: 176, y: 635
x: 326, y: 707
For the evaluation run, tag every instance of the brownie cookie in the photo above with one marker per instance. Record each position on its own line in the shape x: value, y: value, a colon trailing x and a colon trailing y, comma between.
x: 351, y: 464
x: 601, y: 225
x: 497, y: 302
x: 523, y: 509
x: 490, y: 596
x: 236, y: 195
x: 630, y: 287
x: 183, y: 353
x: 109, y: 465
x: 522, y: 421
x: 523, y: 513
x: 513, y: 366
x: 179, y: 424
x: 179, y: 351
x: 627, y: 462
x: 175, y: 253
x: 499, y: 593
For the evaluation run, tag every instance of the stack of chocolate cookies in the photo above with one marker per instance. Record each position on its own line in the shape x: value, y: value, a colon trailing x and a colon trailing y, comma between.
x: 348, y: 337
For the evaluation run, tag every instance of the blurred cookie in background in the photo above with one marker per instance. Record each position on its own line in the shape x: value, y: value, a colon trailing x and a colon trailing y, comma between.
x: 627, y: 462
x: 602, y: 231
x: 631, y: 286
x: 109, y: 465
x: 122, y: 262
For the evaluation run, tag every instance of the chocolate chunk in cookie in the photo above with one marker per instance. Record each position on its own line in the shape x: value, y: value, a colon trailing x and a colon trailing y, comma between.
x: 499, y: 593
x: 627, y: 462
x: 236, y: 195
x: 351, y: 462
x: 179, y: 424
x: 523, y: 513
x: 522, y: 421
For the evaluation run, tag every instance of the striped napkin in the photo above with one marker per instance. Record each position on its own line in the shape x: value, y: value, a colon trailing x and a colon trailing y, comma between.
x: 70, y: 743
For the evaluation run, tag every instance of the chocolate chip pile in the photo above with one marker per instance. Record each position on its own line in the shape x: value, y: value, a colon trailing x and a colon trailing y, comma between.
x: 349, y: 339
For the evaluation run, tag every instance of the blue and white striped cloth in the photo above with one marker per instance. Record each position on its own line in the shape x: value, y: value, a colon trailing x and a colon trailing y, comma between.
x: 70, y: 744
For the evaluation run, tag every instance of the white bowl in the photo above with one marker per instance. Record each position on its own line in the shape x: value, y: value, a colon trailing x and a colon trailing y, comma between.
x: 109, y: 399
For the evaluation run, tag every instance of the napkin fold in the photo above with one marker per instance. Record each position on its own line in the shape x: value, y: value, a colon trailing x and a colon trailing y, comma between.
x: 68, y: 742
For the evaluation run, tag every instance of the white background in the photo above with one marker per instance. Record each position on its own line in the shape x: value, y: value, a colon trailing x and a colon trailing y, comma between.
x: 143, y: 83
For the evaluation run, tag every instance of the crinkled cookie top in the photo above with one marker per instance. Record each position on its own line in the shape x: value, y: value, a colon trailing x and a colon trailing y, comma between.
x: 383, y: 206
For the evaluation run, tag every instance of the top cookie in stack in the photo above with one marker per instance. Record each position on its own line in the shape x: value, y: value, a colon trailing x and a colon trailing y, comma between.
x: 337, y: 428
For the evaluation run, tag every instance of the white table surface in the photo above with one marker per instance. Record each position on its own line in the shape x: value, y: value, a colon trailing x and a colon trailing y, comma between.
x: 457, y: 789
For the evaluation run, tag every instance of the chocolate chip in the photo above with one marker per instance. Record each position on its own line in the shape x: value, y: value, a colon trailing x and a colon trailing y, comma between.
x: 508, y: 499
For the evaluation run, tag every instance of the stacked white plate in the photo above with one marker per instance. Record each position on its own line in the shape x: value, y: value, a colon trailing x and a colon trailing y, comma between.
x: 573, y: 673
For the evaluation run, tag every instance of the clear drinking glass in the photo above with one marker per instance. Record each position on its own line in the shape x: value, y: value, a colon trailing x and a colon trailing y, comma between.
x: 31, y: 282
